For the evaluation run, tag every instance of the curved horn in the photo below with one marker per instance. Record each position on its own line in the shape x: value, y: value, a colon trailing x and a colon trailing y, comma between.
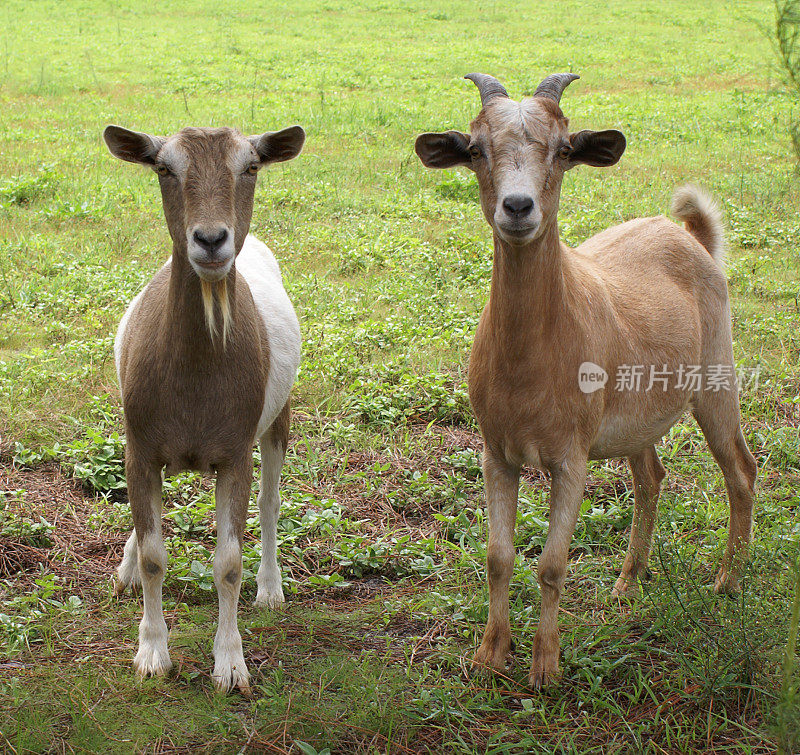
x: 554, y: 85
x: 488, y: 86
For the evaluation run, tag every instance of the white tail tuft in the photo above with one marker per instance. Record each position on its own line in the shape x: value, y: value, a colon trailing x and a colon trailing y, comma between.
x: 702, y: 217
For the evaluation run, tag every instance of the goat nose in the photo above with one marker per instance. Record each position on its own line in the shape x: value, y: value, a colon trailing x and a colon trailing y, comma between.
x: 517, y: 205
x: 211, y: 240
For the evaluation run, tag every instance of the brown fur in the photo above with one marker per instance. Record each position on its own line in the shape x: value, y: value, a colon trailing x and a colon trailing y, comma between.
x: 642, y: 293
x: 193, y: 400
x: 188, y: 404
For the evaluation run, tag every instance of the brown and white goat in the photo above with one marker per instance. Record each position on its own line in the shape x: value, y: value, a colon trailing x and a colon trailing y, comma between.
x: 644, y: 294
x: 206, y: 355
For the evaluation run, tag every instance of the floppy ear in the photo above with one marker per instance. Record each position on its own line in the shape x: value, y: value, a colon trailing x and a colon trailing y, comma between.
x: 133, y: 146
x: 598, y: 148
x: 278, y: 146
x: 443, y: 150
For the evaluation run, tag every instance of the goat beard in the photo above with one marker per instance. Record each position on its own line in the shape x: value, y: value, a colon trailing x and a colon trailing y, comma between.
x: 208, y: 290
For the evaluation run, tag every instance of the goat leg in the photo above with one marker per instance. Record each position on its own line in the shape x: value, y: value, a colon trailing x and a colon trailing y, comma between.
x: 647, y: 476
x: 273, y: 451
x: 144, y: 493
x: 232, y: 496
x: 566, y: 493
x: 502, y: 490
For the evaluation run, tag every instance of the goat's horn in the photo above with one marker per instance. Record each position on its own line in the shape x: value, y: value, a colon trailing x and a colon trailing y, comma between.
x: 488, y: 86
x: 554, y: 85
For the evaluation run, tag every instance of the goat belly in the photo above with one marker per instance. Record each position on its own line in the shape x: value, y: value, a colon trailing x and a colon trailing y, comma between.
x: 623, y: 435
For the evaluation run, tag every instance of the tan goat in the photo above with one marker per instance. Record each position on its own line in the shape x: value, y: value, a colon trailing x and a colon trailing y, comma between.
x: 206, y: 355
x: 644, y: 299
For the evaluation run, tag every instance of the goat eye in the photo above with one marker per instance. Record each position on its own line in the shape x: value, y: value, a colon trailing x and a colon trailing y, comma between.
x: 474, y: 152
x: 252, y: 169
x: 161, y: 169
x: 564, y: 151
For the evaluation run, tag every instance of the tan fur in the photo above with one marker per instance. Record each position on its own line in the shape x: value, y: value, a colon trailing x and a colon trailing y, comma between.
x: 225, y: 310
x: 702, y: 217
x: 642, y: 293
x: 207, y: 292
x: 209, y: 194
x: 190, y: 402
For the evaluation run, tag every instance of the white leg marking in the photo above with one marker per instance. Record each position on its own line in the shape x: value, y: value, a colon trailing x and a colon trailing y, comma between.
x: 153, y: 656
x: 270, y: 590
x: 128, y: 570
x: 230, y: 669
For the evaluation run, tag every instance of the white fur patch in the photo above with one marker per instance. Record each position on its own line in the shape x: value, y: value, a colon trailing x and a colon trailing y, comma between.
x: 175, y: 157
x: 259, y: 268
x: 241, y: 156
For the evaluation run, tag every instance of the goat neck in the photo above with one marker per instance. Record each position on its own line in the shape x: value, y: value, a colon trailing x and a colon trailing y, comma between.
x: 527, y: 291
x: 185, y: 308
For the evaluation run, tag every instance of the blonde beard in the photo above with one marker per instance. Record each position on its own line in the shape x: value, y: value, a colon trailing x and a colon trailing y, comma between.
x: 207, y: 289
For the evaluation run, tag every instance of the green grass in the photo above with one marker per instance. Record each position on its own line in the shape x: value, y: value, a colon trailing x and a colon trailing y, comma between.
x: 383, y: 529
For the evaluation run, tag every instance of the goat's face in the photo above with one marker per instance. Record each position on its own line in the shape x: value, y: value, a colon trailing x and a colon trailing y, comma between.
x: 519, y: 152
x: 207, y: 178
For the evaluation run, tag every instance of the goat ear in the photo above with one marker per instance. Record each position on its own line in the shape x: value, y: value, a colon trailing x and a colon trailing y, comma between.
x: 443, y: 150
x: 598, y: 148
x: 278, y: 146
x: 133, y: 146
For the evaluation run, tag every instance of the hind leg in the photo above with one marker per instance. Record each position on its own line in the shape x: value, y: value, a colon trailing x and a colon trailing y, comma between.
x: 647, y: 476
x: 273, y: 451
x: 128, y: 570
x: 718, y: 417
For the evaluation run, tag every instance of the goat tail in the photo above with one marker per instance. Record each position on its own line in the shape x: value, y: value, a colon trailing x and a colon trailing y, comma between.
x: 702, y: 217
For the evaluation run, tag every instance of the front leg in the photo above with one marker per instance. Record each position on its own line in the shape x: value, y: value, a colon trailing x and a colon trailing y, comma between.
x: 232, y: 496
x: 144, y: 493
x: 502, y: 490
x: 566, y: 493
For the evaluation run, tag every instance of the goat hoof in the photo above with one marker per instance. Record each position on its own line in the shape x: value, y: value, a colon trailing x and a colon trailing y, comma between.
x: 228, y: 676
x: 266, y: 599
x: 726, y: 583
x: 126, y: 577
x: 544, y: 668
x: 491, y: 655
x: 151, y: 661
x: 120, y: 586
x: 483, y: 664
x: 544, y: 675
x: 626, y: 587
x: 542, y: 679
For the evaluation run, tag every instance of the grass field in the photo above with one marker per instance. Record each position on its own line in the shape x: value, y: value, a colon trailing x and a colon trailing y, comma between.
x: 382, y: 538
